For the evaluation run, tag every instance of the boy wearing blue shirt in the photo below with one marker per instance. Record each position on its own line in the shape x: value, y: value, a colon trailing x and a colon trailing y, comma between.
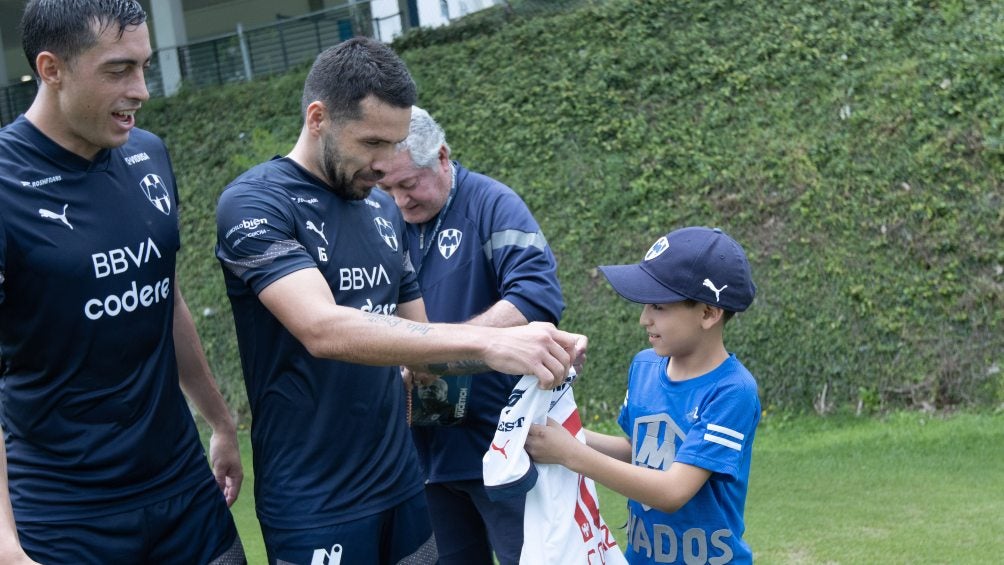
x: 690, y: 411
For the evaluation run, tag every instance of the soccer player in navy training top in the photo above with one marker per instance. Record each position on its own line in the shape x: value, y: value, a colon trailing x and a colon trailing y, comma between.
x: 691, y: 408
x: 326, y: 305
x: 480, y: 258
x: 101, y: 461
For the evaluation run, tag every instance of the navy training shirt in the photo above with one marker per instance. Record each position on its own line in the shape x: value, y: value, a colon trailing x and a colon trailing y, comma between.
x: 488, y: 247
x: 330, y: 439
x: 92, y: 412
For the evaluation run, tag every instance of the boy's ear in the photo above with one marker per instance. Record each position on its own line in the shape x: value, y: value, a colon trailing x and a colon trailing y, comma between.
x: 711, y: 315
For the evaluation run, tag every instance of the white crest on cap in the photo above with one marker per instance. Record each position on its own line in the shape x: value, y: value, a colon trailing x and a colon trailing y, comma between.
x: 658, y: 248
x: 717, y: 291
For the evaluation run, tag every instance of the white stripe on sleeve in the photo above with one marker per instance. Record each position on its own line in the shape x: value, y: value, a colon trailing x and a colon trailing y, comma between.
x: 726, y: 431
x: 723, y: 441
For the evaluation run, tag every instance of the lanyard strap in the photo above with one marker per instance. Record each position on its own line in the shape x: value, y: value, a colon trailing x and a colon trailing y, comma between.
x: 423, y: 250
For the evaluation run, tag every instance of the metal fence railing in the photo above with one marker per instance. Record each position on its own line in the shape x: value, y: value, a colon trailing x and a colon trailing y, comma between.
x: 239, y: 56
x: 270, y: 49
x: 15, y: 99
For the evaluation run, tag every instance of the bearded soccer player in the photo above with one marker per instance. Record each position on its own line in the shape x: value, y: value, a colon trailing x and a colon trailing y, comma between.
x: 326, y: 305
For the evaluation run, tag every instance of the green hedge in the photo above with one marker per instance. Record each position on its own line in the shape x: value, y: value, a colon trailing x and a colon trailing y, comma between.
x: 856, y: 149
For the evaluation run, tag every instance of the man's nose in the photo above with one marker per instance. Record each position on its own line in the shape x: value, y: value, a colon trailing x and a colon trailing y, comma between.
x: 382, y: 159
x: 137, y: 87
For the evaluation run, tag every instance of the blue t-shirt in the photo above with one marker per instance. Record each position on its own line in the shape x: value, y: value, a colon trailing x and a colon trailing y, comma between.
x: 92, y: 412
x: 488, y: 247
x: 708, y: 422
x: 330, y: 439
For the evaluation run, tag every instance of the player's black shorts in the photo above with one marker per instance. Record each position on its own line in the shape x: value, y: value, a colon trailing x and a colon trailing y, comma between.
x: 194, y: 527
x: 399, y: 535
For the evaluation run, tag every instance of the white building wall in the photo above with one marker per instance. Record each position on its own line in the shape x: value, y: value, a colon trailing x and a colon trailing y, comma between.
x: 386, y: 19
x: 167, y: 20
x: 431, y: 13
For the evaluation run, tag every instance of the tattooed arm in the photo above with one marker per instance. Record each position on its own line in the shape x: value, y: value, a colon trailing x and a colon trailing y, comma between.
x: 304, y: 304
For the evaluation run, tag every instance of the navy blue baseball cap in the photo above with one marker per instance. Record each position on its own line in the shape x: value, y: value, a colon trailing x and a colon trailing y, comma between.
x: 701, y: 264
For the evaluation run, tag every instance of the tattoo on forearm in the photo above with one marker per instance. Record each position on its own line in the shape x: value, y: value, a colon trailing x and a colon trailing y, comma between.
x: 464, y: 367
x: 390, y: 321
x: 394, y: 321
x: 417, y: 328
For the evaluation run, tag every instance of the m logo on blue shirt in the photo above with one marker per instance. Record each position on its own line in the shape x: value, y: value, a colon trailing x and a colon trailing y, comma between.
x: 654, y: 441
x: 386, y: 230
x: 156, y: 192
x: 449, y: 242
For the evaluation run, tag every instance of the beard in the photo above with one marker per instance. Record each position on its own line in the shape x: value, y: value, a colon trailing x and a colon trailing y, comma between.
x: 339, y: 181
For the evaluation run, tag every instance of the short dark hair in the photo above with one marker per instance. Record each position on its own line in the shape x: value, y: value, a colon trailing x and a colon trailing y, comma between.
x: 726, y: 314
x: 66, y: 27
x: 344, y: 74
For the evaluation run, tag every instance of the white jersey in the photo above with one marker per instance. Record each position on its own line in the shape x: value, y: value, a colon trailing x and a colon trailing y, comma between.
x: 562, y: 522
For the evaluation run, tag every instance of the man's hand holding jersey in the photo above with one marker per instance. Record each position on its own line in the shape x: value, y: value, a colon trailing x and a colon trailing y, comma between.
x: 538, y: 349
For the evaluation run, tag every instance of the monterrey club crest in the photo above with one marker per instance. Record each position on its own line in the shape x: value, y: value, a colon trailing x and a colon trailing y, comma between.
x: 657, y: 248
x: 386, y: 230
x: 156, y: 192
x: 449, y: 242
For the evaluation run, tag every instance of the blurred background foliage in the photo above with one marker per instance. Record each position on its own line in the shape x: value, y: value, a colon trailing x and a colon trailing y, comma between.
x: 855, y: 149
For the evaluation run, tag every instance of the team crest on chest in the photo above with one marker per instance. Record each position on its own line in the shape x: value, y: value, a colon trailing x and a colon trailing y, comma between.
x: 449, y: 242
x: 386, y: 230
x: 156, y: 192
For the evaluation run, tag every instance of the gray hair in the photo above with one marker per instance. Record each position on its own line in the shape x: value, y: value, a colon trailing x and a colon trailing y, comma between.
x: 425, y: 137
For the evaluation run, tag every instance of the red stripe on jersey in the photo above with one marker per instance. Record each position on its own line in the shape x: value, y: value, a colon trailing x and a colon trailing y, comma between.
x: 585, y: 528
x: 572, y: 423
x: 588, y: 501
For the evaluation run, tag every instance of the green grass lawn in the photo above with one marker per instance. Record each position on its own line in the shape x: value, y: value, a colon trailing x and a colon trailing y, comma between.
x: 908, y: 488
x: 243, y: 509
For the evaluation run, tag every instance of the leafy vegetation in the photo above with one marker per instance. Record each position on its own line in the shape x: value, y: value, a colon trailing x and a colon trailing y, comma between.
x: 856, y: 149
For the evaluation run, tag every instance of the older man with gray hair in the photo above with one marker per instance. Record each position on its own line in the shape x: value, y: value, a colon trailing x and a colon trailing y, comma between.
x: 481, y: 258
